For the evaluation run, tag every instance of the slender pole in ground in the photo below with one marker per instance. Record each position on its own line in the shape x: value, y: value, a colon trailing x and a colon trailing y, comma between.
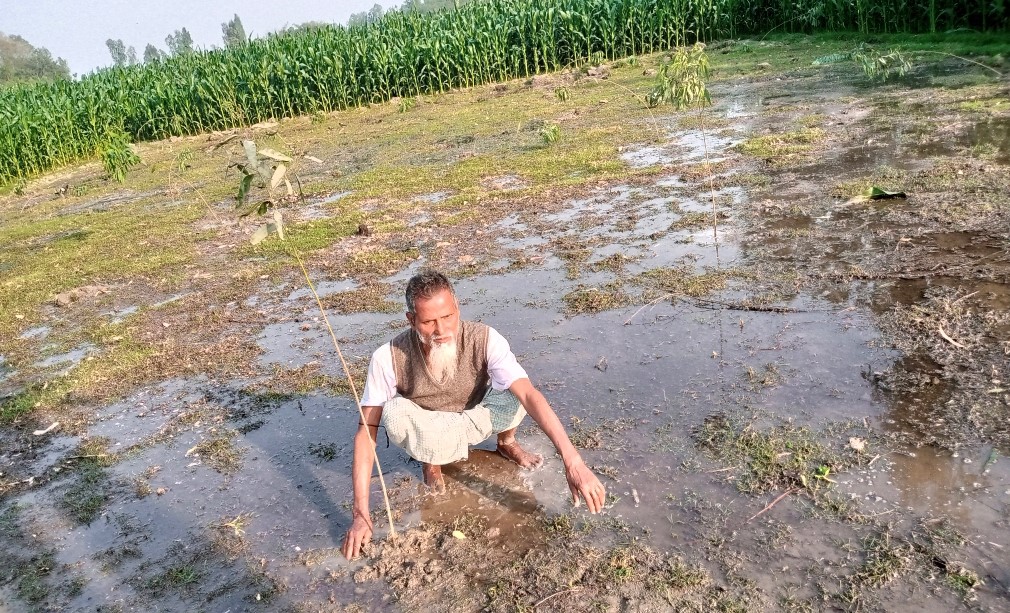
x: 354, y: 390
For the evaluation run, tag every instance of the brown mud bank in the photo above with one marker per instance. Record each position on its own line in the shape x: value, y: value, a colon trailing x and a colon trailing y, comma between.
x: 803, y: 407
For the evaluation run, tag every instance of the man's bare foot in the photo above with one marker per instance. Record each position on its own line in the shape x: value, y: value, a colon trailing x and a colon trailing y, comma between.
x: 433, y: 478
x: 510, y: 449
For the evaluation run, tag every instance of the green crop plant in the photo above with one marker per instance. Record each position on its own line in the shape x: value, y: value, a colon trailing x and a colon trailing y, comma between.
x: 550, y: 133
x: 407, y: 104
x: 406, y: 54
x: 562, y: 94
x: 118, y: 156
x: 265, y: 169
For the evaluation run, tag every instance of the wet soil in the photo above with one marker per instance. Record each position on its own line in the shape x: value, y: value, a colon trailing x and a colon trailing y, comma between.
x: 862, y: 347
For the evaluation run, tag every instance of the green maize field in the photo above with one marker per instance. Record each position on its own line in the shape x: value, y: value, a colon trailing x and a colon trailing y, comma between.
x: 46, y: 125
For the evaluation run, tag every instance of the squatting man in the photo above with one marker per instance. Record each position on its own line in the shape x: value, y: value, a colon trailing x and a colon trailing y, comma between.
x: 443, y: 385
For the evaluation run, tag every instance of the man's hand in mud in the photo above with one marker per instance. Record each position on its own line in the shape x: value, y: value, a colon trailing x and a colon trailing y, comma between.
x: 358, y: 534
x: 584, y: 483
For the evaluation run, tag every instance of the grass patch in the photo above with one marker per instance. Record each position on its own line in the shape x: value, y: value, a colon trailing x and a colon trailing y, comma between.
x: 88, y: 493
x: 51, y: 255
x: 380, y: 262
x: 308, y: 236
x: 782, y: 148
x: 371, y: 298
x: 9, y: 520
x: 324, y: 452
x: 287, y: 383
x: 20, y: 404
x: 682, y: 281
x: 885, y: 559
x: 32, y: 587
x: 779, y: 458
x: 176, y: 577
x: 588, y: 300
x: 694, y: 221
x: 676, y: 578
x: 985, y: 106
x: 219, y: 452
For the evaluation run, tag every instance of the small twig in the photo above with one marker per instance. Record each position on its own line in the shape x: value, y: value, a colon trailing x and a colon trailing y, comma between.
x: 84, y: 457
x: 772, y: 504
x: 721, y: 470
x: 29, y: 481
x: 990, y: 68
x: 949, y: 339
x: 546, y: 598
x: 653, y: 303
x: 873, y: 459
x: 704, y: 303
x: 963, y: 297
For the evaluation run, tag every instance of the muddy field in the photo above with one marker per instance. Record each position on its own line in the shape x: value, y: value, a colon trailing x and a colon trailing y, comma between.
x: 801, y: 407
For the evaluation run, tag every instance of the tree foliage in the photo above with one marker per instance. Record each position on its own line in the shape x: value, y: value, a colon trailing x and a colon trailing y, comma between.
x: 121, y: 54
x: 233, y: 33
x: 371, y: 16
x: 21, y: 61
x: 430, y: 6
x: 153, y: 54
x: 179, y: 43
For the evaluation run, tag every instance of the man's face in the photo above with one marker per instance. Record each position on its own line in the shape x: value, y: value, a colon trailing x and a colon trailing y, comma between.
x: 435, y: 319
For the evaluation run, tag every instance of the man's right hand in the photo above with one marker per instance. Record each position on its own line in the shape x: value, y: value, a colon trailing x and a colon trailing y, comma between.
x: 358, y: 534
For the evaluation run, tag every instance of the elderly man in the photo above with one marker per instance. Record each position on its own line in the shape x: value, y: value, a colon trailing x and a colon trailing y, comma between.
x: 446, y: 384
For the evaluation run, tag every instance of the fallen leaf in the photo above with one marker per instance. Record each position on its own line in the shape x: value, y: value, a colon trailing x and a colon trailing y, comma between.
x: 458, y: 534
x: 47, y: 430
x: 856, y: 443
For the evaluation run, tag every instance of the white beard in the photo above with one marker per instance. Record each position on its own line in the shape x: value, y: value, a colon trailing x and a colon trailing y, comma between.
x: 441, y: 359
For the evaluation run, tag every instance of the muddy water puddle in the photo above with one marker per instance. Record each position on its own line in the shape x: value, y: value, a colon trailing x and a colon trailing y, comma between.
x: 229, y: 496
x: 632, y: 386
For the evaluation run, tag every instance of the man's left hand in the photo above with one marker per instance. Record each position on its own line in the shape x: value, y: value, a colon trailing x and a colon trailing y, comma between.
x: 584, y: 483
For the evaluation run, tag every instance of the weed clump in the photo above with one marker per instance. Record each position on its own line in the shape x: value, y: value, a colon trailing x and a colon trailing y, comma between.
x: 780, y: 149
x: 587, y: 300
x: 15, y: 406
x: 779, y: 458
x: 371, y: 298
x: 86, y: 496
x: 682, y: 281
x: 220, y: 453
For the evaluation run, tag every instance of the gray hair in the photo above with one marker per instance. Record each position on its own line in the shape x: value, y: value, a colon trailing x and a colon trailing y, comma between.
x: 426, y: 284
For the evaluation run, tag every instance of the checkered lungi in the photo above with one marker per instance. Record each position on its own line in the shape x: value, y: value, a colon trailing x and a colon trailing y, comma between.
x: 441, y: 437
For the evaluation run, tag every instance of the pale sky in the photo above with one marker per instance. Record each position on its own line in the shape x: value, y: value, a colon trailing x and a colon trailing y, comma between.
x: 77, y: 31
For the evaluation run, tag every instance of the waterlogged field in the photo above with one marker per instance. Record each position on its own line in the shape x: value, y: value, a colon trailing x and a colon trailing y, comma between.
x: 800, y: 407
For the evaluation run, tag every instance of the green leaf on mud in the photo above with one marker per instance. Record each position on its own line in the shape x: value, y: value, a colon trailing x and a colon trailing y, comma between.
x: 879, y: 193
x: 834, y: 58
x: 875, y: 193
x: 243, y: 189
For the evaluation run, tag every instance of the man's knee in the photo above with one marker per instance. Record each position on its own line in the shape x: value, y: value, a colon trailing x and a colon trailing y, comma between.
x: 432, y: 437
x: 396, y: 418
x: 506, y: 412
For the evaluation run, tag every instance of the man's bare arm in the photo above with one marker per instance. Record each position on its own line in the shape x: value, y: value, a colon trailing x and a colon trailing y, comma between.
x: 581, y: 480
x: 361, y: 477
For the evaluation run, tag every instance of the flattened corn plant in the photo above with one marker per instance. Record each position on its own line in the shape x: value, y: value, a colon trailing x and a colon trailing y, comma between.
x: 45, y: 125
